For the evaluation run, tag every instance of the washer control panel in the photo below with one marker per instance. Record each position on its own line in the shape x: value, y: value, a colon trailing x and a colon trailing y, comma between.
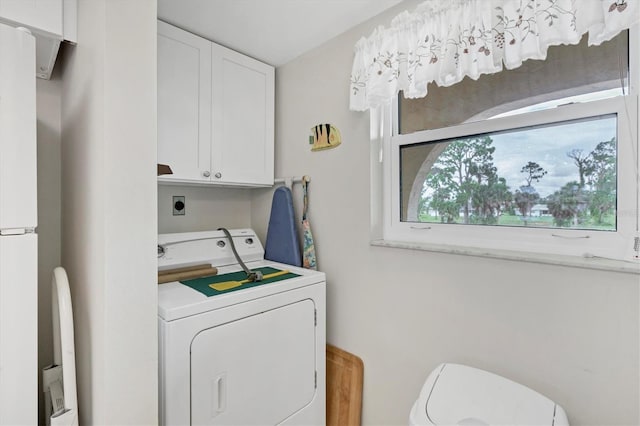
x: 192, y: 248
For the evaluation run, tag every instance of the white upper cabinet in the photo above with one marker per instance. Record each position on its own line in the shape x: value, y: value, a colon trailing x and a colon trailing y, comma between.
x: 215, y: 112
x: 50, y: 21
x: 45, y: 15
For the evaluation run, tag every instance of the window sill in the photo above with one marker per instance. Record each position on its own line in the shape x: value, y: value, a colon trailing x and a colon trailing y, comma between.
x: 597, y: 263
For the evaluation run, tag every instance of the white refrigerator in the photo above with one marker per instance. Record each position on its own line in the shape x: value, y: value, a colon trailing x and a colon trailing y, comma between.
x: 18, y: 238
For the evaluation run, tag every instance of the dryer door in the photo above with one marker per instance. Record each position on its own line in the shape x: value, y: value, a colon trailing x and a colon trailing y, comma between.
x: 256, y: 370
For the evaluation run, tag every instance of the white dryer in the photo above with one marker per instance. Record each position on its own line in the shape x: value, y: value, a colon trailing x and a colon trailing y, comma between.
x: 255, y: 355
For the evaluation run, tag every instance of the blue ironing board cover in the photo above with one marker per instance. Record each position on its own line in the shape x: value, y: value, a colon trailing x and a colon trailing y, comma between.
x: 282, y: 237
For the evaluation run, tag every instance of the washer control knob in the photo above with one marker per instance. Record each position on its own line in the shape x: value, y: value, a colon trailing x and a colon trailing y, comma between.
x: 221, y: 243
x: 249, y: 241
x: 206, y: 173
x: 218, y: 175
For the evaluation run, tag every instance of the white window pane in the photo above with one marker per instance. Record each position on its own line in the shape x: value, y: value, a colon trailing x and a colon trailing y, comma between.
x: 560, y: 175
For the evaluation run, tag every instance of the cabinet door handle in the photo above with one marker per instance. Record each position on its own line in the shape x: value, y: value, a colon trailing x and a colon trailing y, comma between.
x: 206, y: 173
x: 218, y: 175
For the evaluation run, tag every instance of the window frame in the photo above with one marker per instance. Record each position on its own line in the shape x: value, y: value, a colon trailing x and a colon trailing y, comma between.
x: 387, y: 229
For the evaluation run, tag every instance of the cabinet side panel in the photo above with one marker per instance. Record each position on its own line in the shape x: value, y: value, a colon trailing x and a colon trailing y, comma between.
x: 18, y: 187
x: 18, y: 330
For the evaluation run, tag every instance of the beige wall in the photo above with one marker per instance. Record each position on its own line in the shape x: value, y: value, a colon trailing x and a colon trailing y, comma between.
x: 569, y: 333
x: 49, y: 205
x: 206, y: 208
x: 109, y: 220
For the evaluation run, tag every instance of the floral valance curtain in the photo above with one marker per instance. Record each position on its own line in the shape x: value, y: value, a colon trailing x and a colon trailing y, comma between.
x: 445, y: 40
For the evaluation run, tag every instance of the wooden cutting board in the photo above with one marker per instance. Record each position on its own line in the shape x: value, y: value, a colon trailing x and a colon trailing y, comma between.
x: 344, y: 387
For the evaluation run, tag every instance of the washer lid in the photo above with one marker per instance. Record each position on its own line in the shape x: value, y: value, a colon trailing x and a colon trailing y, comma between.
x: 464, y: 395
x: 176, y: 300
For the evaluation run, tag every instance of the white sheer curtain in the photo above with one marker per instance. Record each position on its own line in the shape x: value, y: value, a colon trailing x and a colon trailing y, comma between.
x: 445, y: 40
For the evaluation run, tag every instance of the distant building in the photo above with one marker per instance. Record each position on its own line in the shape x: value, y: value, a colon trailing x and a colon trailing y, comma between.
x: 539, y: 210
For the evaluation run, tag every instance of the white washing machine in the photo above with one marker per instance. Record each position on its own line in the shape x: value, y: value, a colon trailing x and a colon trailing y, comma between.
x: 255, y: 355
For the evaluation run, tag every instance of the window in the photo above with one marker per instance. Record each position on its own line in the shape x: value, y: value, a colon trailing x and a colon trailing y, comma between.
x: 549, y: 166
x: 554, y: 175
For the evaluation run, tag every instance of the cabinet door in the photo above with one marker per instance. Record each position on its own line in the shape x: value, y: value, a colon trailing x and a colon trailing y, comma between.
x: 243, y: 119
x: 45, y: 15
x: 184, y: 103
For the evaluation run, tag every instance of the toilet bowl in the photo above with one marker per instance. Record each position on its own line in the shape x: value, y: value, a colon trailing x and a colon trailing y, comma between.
x: 455, y: 394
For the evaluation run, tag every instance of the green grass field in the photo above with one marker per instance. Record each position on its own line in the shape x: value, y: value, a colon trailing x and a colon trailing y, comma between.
x: 539, y: 222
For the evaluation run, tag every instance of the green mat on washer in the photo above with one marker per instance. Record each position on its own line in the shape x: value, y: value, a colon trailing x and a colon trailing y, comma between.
x: 202, y: 284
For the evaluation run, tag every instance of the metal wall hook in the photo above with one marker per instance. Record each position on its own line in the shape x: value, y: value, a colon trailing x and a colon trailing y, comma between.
x: 289, y: 181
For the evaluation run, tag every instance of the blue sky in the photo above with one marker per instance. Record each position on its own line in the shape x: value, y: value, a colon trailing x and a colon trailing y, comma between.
x: 548, y: 146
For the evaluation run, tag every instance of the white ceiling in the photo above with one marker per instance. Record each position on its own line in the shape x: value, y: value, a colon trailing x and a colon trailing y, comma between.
x: 273, y: 31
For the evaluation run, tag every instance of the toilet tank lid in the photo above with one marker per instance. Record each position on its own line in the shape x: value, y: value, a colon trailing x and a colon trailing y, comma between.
x: 461, y: 395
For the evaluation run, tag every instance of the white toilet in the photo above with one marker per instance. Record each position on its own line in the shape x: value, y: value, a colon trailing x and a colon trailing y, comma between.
x: 455, y: 394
